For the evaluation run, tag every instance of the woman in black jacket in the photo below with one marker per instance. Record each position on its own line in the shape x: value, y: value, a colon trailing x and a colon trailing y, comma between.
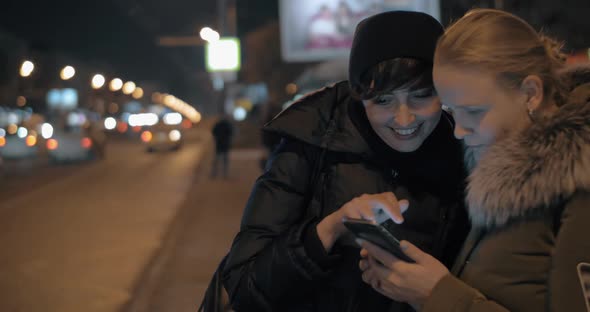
x: 383, y: 133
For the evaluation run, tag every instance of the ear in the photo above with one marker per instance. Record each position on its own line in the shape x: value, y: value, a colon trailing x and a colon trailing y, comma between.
x: 532, y: 88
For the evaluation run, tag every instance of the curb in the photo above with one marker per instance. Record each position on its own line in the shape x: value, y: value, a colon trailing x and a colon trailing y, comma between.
x: 146, y: 284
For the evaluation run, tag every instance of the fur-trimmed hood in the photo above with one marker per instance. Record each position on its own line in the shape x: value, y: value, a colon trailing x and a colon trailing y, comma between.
x: 529, y: 173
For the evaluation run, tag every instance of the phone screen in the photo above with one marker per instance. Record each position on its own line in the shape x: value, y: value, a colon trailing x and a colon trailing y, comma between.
x: 377, y: 235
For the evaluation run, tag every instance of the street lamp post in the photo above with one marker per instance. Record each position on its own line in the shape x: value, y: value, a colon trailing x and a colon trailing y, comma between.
x: 25, y: 71
x: 98, y: 102
x: 211, y: 36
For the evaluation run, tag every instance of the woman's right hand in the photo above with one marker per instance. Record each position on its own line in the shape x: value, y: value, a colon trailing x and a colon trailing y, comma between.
x: 362, y: 207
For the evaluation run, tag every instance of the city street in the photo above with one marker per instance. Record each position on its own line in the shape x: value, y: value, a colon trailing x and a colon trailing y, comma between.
x: 79, y: 237
x: 132, y: 134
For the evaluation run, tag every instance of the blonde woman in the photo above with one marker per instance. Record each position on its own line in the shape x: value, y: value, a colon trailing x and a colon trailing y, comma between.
x: 526, y: 125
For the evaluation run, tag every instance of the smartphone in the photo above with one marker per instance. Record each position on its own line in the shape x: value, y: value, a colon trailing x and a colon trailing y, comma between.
x: 376, y: 234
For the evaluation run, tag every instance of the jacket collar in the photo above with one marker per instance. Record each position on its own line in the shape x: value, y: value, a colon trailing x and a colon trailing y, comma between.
x: 314, y: 109
x: 531, y: 171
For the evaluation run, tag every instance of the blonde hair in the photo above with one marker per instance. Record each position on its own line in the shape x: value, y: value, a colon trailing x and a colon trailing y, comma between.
x: 505, y: 45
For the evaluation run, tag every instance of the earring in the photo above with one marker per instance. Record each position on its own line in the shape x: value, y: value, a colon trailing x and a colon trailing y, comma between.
x: 532, y: 115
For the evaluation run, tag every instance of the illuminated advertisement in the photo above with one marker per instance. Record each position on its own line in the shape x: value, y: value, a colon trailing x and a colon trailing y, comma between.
x: 65, y: 99
x: 223, y: 55
x: 316, y: 30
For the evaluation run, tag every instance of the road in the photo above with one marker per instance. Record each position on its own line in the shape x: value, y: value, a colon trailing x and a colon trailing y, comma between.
x: 77, y: 237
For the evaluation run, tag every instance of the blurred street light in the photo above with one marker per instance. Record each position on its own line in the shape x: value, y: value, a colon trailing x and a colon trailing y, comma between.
x: 21, y: 101
x: 129, y: 87
x: 157, y: 97
x: 113, y: 108
x: 27, y: 68
x: 12, y: 129
x: 209, y: 34
x: 46, y: 131
x: 223, y: 55
x: 169, y: 100
x: 22, y: 132
x: 31, y: 140
x: 144, y: 119
x: 174, y: 135
x: 138, y: 93
x: 116, y: 84
x: 291, y: 88
x: 110, y: 123
x: 67, y: 73
x: 240, y: 113
x: 172, y: 118
x: 97, y: 81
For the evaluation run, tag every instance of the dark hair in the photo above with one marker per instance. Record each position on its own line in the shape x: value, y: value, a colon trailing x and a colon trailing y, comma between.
x: 389, y: 75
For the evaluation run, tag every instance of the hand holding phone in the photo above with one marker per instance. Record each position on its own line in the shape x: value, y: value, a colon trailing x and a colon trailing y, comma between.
x: 376, y: 234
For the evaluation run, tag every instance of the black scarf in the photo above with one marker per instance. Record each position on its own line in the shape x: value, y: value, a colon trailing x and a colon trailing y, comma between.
x: 436, y: 166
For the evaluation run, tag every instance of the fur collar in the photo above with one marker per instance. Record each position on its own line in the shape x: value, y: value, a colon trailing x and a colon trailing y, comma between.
x: 529, y: 173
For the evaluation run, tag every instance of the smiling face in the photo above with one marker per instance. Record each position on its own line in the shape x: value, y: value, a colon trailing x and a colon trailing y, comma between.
x: 404, y: 118
x: 484, y: 111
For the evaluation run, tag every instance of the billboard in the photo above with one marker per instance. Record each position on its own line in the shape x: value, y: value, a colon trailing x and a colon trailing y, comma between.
x: 313, y: 30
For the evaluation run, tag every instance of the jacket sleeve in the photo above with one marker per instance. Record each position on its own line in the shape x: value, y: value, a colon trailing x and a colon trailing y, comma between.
x: 270, y: 261
x: 572, y: 247
x: 452, y: 294
x: 566, y: 287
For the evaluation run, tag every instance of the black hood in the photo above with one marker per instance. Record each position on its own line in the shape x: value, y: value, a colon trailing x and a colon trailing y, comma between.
x: 307, y: 120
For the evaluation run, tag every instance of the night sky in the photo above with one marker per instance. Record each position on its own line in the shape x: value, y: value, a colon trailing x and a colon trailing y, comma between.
x: 118, y: 34
x: 122, y: 34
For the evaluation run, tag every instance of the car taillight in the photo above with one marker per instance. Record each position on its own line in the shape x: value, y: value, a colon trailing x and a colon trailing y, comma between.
x: 122, y: 127
x: 187, y: 124
x: 146, y: 136
x: 86, y: 143
x: 52, y: 144
x: 31, y: 140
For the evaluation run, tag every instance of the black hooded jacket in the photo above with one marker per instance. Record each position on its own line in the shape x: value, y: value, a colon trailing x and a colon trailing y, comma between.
x: 278, y: 263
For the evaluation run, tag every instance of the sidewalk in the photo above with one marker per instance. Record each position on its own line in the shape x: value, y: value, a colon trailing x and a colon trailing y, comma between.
x: 199, y: 237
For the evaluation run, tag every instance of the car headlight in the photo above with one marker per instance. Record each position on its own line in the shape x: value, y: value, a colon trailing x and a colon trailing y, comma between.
x: 47, y: 131
x: 174, y: 135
